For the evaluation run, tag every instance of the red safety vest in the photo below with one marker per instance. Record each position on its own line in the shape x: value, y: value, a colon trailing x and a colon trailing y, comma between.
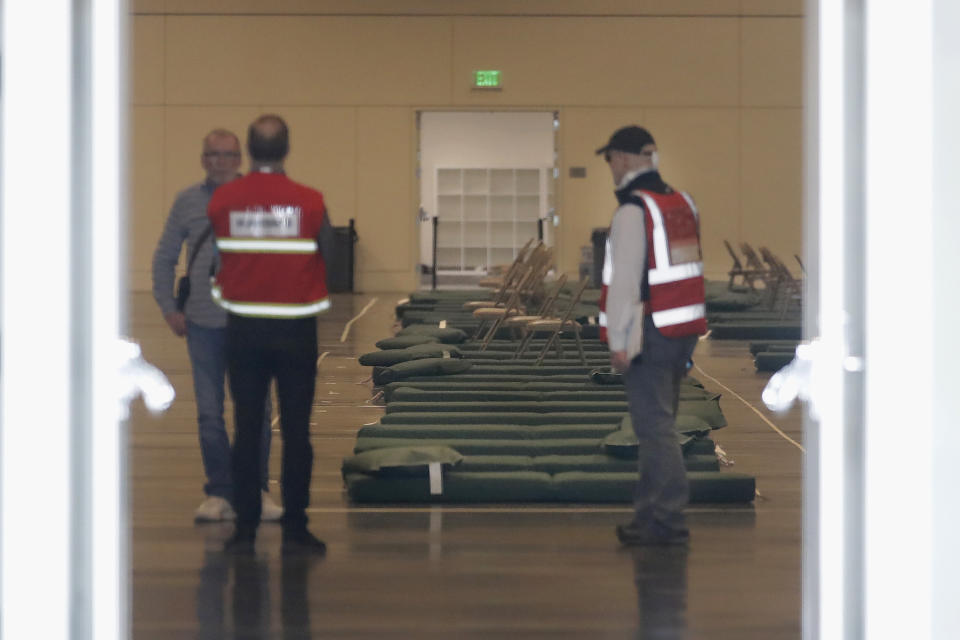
x: 675, y: 266
x: 266, y: 229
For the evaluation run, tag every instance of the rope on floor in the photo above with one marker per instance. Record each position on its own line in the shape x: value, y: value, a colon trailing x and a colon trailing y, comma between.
x: 346, y: 329
x: 752, y: 408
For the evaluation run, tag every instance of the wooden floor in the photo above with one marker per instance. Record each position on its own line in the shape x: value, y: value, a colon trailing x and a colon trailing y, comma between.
x: 492, y: 571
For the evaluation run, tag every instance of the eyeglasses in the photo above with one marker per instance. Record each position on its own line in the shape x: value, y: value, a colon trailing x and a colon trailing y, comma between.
x: 221, y: 154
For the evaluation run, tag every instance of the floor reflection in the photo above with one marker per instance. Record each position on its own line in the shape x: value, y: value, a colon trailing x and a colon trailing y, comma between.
x: 660, y: 575
x: 234, y: 595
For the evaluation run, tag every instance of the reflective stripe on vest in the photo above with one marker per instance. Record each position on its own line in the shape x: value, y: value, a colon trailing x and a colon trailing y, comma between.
x: 259, y: 245
x: 606, y: 277
x: 664, y: 272
x: 679, y: 315
x: 270, y: 309
x: 607, y: 263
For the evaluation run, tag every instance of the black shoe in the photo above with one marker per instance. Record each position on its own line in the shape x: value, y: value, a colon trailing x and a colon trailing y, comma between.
x: 302, y: 542
x: 241, y: 542
x: 631, y: 534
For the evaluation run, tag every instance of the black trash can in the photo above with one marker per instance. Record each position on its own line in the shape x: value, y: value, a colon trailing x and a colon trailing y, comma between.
x: 599, y: 238
x: 340, y: 272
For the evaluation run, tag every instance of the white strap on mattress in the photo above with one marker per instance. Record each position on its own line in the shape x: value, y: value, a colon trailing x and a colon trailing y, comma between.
x: 436, y: 479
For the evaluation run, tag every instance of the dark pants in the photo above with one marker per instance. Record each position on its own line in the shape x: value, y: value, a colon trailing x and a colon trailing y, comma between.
x: 258, y: 350
x: 653, y: 393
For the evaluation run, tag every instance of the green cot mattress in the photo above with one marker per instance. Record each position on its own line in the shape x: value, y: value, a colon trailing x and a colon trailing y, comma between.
x: 485, y: 417
x: 773, y: 345
x: 457, y: 366
x: 750, y: 316
x: 538, y: 486
x: 535, y: 345
x: 470, y: 377
x: 450, y: 294
x: 390, y: 357
x: 767, y: 361
x: 402, y: 342
x: 525, y: 380
x: 552, y: 464
x: 508, y: 412
x: 731, y: 303
x: 530, y: 392
x: 492, y: 446
x: 446, y: 335
x: 593, y: 358
x: 446, y: 431
x: 548, y: 368
x: 756, y: 331
x: 520, y: 447
x: 501, y: 406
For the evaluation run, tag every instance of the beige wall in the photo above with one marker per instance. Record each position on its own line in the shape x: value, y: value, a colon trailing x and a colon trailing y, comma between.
x: 718, y: 82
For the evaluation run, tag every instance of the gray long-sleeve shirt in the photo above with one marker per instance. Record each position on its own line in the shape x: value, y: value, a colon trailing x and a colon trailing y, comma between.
x: 628, y: 253
x: 186, y: 223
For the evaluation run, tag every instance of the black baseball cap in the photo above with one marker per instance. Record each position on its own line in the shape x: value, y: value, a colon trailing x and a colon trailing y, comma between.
x: 630, y: 139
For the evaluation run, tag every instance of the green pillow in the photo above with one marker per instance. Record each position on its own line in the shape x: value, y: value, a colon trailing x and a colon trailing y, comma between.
x: 623, y: 444
x: 415, y: 352
x: 405, y: 461
x: 448, y: 335
x: 706, y: 409
x: 422, y: 367
x: 685, y: 424
x: 402, y: 342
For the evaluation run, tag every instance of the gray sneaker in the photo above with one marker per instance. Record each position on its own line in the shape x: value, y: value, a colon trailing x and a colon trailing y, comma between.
x: 214, y: 509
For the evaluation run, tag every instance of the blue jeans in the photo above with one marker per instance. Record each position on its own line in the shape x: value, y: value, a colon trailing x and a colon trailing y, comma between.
x: 208, y: 358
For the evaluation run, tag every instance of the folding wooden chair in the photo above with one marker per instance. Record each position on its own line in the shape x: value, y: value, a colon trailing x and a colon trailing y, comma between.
x: 520, y: 322
x: 497, y: 271
x: 748, y: 276
x: 525, y: 260
x: 556, y: 326
x: 498, y: 282
x: 524, y: 290
x: 496, y: 315
x: 789, y: 289
x: 771, y: 280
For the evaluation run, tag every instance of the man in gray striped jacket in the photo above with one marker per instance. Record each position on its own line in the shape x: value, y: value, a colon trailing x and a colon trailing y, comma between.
x: 204, y: 325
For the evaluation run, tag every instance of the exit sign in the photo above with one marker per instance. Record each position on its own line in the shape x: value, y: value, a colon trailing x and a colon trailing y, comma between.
x: 487, y: 79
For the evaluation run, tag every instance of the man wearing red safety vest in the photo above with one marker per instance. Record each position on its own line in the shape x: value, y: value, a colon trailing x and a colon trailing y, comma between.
x: 275, y: 240
x: 653, y: 309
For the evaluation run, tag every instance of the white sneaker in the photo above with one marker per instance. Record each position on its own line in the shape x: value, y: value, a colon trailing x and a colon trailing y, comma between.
x: 270, y: 511
x: 214, y: 509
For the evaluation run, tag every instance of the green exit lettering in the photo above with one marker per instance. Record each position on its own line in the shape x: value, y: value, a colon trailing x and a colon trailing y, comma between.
x: 487, y: 79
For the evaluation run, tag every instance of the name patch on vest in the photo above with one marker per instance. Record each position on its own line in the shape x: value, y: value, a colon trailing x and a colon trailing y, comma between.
x: 277, y: 222
x: 682, y: 238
